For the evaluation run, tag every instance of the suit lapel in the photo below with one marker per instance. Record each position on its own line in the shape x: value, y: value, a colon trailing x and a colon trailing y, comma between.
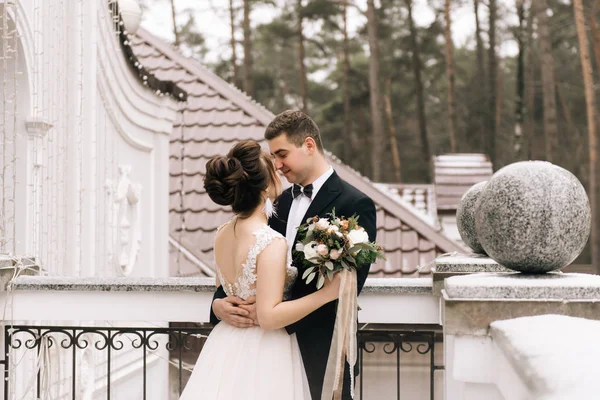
x: 330, y: 190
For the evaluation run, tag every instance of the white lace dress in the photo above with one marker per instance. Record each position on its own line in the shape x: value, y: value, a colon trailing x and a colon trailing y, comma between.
x: 249, y: 363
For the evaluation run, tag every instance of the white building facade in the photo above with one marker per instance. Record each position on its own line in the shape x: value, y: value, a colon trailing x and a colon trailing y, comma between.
x: 84, y: 136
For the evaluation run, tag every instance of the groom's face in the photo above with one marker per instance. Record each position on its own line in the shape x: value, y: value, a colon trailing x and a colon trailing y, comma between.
x: 292, y: 161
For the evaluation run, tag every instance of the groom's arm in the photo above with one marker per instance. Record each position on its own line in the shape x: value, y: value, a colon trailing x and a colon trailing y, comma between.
x: 365, y: 209
x: 219, y: 294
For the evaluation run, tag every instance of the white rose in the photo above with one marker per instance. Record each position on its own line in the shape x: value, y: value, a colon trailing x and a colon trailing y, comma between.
x: 334, y: 254
x: 358, y: 236
x: 333, y: 229
x: 322, y: 250
x: 322, y: 225
x: 310, y: 251
x: 299, y: 247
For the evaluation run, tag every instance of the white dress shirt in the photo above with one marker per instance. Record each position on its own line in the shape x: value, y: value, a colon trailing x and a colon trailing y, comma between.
x: 299, y: 207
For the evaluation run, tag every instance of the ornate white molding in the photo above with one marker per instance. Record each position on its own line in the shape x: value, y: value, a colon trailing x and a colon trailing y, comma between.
x: 117, y: 122
x: 128, y: 217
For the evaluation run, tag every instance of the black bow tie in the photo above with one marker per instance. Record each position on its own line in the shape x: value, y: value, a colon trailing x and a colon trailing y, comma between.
x: 306, y: 190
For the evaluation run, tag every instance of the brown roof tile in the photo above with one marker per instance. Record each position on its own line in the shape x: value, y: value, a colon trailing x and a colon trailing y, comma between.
x: 216, y: 115
x: 454, y: 174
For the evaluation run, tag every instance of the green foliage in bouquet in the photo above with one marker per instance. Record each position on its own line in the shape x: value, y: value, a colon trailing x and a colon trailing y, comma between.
x: 328, y: 245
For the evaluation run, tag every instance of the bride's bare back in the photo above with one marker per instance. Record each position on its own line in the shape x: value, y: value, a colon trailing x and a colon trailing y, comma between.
x: 238, y: 246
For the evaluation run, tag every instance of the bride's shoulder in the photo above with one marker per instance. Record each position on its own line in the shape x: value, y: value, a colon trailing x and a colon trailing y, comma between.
x: 268, y: 234
x: 273, y: 249
x: 275, y: 233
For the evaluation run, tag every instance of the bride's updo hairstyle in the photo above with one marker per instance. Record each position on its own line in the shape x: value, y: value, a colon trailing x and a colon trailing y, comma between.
x: 240, y: 178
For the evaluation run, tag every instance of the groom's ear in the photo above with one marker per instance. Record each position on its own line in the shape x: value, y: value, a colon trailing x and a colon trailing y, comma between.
x: 311, y: 145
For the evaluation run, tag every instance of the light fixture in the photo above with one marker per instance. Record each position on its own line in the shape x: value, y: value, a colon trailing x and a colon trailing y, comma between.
x: 131, y: 14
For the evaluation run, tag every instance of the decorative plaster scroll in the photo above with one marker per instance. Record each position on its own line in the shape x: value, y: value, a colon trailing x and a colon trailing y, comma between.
x: 127, y: 199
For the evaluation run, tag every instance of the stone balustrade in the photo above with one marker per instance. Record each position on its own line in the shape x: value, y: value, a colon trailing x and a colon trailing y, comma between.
x: 514, y: 336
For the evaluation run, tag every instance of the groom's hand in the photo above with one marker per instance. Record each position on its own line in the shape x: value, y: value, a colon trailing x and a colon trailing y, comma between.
x: 229, y: 310
x: 250, y: 306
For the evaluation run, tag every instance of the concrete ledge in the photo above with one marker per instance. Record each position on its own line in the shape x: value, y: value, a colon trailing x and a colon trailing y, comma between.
x: 551, y: 286
x: 117, y: 284
x: 543, y: 352
x: 129, y: 284
x: 461, y: 265
x: 470, y: 264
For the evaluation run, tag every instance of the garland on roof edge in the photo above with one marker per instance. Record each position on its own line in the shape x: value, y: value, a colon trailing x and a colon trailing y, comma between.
x: 160, y: 87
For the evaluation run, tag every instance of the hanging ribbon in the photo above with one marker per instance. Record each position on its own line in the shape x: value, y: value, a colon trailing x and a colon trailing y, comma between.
x: 343, y: 341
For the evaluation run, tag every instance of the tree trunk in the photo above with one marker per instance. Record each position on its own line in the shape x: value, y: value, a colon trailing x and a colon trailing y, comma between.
x: 498, y: 101
x: 301, y: 68
x: 392, y: 131
x: 375, y: 91
x: 590, y: 103
x: 175, y: 30
x: 595, y: 36
x: 248, y: 62
x: 416, y: 63
x: 519, y: 113
x: 346, y: 84
x: 490, y: 147
x: 234, y: 79
x: 450, y: 76
x: 481, y: 90
x: 282, y: 88
x: 574, y: 134
x: 530, y: 86
x: 548, y: 84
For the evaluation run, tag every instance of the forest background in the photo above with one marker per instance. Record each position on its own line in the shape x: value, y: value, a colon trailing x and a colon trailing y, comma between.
x: 392, y: 83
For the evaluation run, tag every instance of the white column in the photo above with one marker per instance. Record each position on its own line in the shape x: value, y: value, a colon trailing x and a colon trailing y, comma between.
x: 73, y: 90
x: 29, y: 178
x: 89, y: 137
x: 158, y: 199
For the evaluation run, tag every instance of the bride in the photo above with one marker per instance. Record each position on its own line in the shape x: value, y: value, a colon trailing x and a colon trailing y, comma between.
x: 261, y: 362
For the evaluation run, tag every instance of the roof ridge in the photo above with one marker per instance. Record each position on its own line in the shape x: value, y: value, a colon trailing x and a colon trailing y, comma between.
x: 233, y: 93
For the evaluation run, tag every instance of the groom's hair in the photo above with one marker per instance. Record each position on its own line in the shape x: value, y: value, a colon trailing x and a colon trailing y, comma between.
x: 297, y: 126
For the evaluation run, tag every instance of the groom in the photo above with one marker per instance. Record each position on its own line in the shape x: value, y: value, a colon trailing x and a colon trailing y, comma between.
x: 295, y: 143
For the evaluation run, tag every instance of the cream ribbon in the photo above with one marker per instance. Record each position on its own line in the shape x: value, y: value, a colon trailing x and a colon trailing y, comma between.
x: 343, y: 341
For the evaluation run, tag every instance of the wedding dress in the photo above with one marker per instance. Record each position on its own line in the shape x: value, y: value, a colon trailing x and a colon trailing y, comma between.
x: 249, y: 363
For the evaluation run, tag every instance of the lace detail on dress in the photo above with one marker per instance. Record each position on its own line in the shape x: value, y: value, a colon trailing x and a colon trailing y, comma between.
x: 245, y: 284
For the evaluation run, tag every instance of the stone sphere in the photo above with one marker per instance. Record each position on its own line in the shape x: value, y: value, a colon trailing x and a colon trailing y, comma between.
x: 465, y: 217
x: 533, y: 217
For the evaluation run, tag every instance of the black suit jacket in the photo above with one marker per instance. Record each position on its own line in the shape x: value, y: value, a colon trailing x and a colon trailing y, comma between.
x: 314, y: 332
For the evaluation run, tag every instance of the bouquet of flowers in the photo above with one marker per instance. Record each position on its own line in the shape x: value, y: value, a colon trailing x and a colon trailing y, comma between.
x: 331, y: 244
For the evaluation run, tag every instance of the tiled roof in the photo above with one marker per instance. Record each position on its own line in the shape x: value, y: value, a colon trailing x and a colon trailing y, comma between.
x: 419, y: 196
x: 217, y: 114
x: 454, y: 174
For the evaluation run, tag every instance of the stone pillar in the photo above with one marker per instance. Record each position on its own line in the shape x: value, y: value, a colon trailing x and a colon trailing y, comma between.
x: 471, y: 303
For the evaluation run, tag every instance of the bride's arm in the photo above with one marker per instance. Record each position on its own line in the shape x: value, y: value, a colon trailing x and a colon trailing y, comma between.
x: 272, y: 311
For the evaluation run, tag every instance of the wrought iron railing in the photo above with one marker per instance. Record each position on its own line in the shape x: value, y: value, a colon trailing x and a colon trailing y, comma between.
x: 396, y: 340
x: 179, y: 340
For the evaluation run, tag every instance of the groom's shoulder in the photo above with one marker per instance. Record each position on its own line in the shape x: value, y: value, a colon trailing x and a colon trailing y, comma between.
x: 350, y: 192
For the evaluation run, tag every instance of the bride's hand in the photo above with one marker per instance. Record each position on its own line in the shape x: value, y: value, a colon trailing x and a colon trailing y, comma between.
x: 332, y: 287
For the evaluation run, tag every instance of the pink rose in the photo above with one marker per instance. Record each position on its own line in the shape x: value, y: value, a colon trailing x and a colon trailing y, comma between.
x: 334, y: 254
x: 322, y: 250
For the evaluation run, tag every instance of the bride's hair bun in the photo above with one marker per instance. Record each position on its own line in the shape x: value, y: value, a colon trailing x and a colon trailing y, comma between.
x: 240, y: 178
x: 223, y: 175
